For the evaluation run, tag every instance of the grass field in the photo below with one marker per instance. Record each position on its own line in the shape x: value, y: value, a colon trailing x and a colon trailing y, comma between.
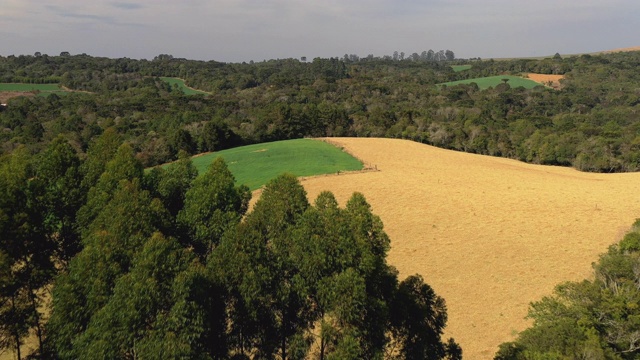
x: 187, y: 90
x: 458, y: 68
x: 11, y: 90
x: 492, y: 81
x: 30, y: 87
x: 489, y: 234
x: 255, y: 165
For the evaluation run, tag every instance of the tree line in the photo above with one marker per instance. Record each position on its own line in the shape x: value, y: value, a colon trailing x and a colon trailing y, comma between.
x: 590, y: 124
x: 166, y: 264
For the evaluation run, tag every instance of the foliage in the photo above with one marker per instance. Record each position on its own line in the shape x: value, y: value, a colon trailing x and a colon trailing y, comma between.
x: 590, y: 123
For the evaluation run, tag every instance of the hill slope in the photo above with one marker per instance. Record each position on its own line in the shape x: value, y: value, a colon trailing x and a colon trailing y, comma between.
x: 489, y: 234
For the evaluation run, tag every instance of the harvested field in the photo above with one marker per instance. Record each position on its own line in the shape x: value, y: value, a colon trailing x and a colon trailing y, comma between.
x: 489, y: 234
x: 544, y: 79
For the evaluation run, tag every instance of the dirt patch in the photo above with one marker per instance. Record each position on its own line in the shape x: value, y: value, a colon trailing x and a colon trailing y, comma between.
x: 6, y: 95
x: 261, y: 150
x: 489, y: 234
x: 547, y: 80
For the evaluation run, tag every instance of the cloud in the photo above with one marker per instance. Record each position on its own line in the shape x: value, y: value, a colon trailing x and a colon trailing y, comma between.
x: 127, y: 6
x: 237, y: 30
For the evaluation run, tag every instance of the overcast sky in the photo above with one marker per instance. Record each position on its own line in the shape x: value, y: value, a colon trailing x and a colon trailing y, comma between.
x: 243, y: 30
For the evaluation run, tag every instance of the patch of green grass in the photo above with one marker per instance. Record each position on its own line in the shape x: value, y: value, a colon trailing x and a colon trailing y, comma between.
x: 186, y: 90
x: 255, y: 165
x: 30, y: 87
x: 458, y: 68
x: 492, y: 81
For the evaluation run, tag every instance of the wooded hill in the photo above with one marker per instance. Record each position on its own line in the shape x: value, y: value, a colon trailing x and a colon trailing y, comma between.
x: 591, y: 123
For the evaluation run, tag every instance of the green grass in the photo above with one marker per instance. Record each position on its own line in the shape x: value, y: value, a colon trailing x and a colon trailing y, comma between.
x: 255, y: 165
x: 182, y: 86
x: 458, y: 68
x: 30, y: 87
x: 492, y: 81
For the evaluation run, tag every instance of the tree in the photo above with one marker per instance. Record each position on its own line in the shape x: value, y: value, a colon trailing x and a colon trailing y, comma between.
x: 212, y: 205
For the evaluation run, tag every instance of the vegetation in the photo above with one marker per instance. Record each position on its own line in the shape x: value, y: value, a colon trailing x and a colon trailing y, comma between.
x: 493, y: 81
x: 458, y: 68
x: 179, y: 83
x: 255, y: 165
x: 590, y: 124
x: 169, y: 264
x: 592, y: 319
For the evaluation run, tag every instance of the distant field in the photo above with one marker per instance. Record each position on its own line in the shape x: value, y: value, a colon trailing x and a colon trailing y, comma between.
x: 255, y: 165
x: 11, y: 90
x: 187, y: 90
x: 30, y: 87
x: 492, y: 81
x: 458, y: 68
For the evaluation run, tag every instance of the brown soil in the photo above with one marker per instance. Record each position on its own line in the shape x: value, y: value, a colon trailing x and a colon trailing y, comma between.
x: 544, y: 79
x: 489, y: 234
x: 6, y: 95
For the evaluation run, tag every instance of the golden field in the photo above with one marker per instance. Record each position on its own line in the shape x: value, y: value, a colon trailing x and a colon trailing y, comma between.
x: 489, y: 234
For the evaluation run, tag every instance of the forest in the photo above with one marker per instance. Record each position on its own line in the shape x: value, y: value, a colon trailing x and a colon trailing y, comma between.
x: 101, y: 258
x: 591, y: 123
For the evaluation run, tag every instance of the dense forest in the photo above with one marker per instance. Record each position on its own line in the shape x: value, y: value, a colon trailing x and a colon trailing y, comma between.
x: 591, y: 123
x: 166, y: 264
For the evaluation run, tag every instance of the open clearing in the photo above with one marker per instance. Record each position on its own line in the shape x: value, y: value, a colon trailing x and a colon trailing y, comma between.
x: 255, y: 165
x: 489, y: 234
x: 493, y: 81
x: 185, y: 89
x: 458, y: 68
x: 545, y: 79
x: 11, y: 90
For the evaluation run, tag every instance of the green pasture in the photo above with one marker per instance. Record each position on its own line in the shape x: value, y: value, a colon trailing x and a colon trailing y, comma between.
x: 185, y: 89
x: 255, y: 165
x: 458, y: 68
x: 30, y: 87
x: 492, y: 81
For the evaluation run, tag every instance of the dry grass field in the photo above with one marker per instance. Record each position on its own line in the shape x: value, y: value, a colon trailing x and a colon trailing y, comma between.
x: 544, y: 79
x: 489, y: 234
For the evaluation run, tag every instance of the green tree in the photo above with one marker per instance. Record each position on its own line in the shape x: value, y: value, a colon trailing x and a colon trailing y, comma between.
x: 212, y: 205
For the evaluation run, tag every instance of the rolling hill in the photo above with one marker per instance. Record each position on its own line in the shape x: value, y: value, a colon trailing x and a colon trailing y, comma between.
x: 489, y: 234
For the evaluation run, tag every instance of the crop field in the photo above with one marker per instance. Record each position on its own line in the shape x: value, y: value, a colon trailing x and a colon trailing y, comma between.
x: 489, y: 234
x: 492, y: 81
x: 187, y: 90
x: 30, y: 87
x: 11, y: 90
x: 255, y: 165
x: 458, y: 68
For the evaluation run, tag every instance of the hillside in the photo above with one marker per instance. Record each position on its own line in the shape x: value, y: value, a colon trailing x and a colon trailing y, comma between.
x: 489, y: 234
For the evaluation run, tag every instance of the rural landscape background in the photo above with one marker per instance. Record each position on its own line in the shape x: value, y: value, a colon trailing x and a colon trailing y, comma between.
x: 124, y: 234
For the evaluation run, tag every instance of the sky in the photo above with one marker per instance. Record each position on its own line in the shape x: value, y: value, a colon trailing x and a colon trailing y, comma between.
x: 244, y: 30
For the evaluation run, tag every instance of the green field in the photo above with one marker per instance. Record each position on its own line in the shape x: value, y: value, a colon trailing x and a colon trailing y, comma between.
x: 43, y: 88
x: 185, y: 89
x: 255, y: 165
x: 492, y: 81
x: 458, y: 68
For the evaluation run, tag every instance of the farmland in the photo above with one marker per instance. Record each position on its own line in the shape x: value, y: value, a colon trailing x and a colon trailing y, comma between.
x: 489, y: 234
x: 458, y: 68
x: 255, y: 165
x: 493, y: 81
x: 182, y: 86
